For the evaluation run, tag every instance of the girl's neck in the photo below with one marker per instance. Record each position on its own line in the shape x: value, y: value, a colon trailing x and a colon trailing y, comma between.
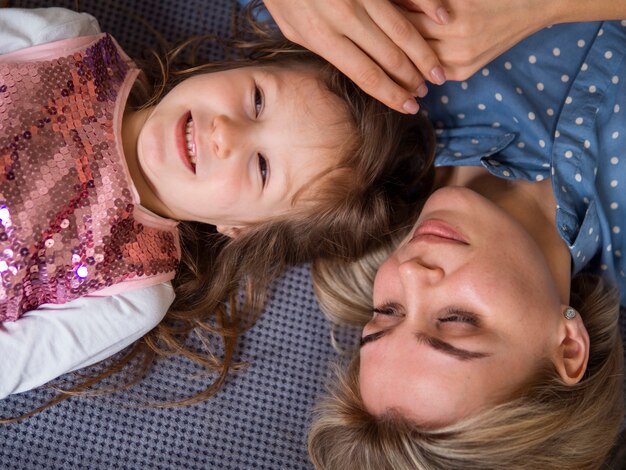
x: 532, y: 205
x: 132, y: 123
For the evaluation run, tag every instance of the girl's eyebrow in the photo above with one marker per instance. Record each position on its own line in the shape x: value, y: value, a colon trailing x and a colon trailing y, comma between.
x: 272, y: 85
x: 435, y: 343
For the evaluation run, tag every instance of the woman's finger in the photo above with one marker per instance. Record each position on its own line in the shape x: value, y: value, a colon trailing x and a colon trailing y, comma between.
x: 369, y: 76
x: 395, y: 25
x: 434, y: 9
x: 426, y: 27
x: 367, y: 35
x: 455, y: 69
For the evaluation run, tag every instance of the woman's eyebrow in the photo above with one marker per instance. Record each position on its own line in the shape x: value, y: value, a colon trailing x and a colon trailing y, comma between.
x: 437, y: 344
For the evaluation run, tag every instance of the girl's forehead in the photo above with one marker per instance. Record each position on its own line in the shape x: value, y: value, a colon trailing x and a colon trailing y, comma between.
x: 307, y: 103
x: 299, y: 77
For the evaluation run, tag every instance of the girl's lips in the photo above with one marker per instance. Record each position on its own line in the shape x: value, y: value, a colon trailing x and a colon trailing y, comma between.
x: 437, y: 230
x: 181, y: 141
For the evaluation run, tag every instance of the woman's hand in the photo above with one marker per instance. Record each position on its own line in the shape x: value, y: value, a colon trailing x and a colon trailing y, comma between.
x: 481, y: 30
x: 371, y: 41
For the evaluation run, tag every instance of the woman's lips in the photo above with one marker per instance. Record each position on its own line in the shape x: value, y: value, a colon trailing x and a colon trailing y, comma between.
x: 181, y: 142
x: 437, y: 230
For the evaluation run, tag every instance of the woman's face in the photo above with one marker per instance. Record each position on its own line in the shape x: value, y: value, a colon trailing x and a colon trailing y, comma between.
x: 466, y: 311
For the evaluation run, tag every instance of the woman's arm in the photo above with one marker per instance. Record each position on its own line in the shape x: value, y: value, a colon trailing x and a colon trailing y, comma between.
x: 570, y: 11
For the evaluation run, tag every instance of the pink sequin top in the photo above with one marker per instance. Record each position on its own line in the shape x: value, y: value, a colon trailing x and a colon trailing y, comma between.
x: 70, y: 219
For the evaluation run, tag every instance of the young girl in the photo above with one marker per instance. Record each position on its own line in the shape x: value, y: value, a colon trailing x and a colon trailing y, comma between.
x: 284, y: 157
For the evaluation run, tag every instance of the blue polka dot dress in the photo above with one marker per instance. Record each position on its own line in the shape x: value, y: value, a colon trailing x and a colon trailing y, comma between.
x: 553, y: 106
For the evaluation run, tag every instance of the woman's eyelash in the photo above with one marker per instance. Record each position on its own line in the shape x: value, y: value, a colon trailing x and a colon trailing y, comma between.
x: 258, y: 101
x: 461, y: 316
x: 387, y: 309
x: 262, y: 168
x: 451, y: 314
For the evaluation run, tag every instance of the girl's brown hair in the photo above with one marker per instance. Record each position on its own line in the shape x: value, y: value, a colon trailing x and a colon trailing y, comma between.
x: 550, y: 426
x: 384, y: 171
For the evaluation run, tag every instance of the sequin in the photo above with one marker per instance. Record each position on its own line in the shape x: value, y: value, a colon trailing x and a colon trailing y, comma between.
x: 67, y: 223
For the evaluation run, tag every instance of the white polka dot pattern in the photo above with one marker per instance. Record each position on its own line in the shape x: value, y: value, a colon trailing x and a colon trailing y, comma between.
x: 562, y: 104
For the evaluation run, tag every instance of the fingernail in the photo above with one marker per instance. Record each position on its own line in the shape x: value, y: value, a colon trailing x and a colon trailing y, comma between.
x: 410, y: 106
x: 422, y: 90
x: 443, y: 16
x: 438, y: 76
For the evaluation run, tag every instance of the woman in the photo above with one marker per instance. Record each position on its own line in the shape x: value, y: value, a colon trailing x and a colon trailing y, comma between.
x: 483, y: 351
x: 473, y: 359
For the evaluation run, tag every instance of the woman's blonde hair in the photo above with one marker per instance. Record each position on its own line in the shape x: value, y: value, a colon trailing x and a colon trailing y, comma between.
x: 550, y: 426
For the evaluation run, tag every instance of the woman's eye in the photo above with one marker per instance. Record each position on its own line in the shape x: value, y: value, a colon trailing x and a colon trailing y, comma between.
x: 389, y: 310
x: 262, y: 168
x: 459, y: 316
x: 258, y: 101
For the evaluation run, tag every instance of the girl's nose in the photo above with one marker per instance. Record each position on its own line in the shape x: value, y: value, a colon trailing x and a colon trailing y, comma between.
x: 225, y: 137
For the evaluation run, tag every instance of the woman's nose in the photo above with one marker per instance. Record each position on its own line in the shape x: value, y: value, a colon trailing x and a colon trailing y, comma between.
x: 225, y: 136
x: 415, y: 272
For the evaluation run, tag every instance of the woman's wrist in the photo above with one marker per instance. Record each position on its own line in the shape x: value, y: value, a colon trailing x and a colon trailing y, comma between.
x: 570, y: 11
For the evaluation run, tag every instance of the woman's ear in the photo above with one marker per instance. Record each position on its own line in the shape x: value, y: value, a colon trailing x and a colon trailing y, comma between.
x: 573, y: 351
x: 231, y: 231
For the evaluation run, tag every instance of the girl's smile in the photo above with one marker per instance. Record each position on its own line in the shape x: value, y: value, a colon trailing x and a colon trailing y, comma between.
x: 186, y: 145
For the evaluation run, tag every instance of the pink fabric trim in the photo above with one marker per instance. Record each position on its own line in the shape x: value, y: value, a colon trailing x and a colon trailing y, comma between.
x: 150, y: 219
x: 141, y: 214
x: 133, y: 284
x: 52, y: 49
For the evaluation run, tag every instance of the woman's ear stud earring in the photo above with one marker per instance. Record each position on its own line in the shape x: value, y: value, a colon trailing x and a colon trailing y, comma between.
x: 569, y: 313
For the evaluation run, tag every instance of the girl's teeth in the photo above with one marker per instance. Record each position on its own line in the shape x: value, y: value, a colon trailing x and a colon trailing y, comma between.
x: 191, y: 146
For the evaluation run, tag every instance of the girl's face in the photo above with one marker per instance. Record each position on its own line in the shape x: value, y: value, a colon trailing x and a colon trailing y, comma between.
x: 233, y: 147
x: 466, y: 312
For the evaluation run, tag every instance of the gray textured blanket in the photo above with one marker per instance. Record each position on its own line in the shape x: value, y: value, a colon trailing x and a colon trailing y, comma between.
x: 259, y: 420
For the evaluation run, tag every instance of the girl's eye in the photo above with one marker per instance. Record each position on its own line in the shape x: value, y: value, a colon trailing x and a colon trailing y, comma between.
x: 459, y: 316
x: 258, y: 101
x: 262, y: 168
